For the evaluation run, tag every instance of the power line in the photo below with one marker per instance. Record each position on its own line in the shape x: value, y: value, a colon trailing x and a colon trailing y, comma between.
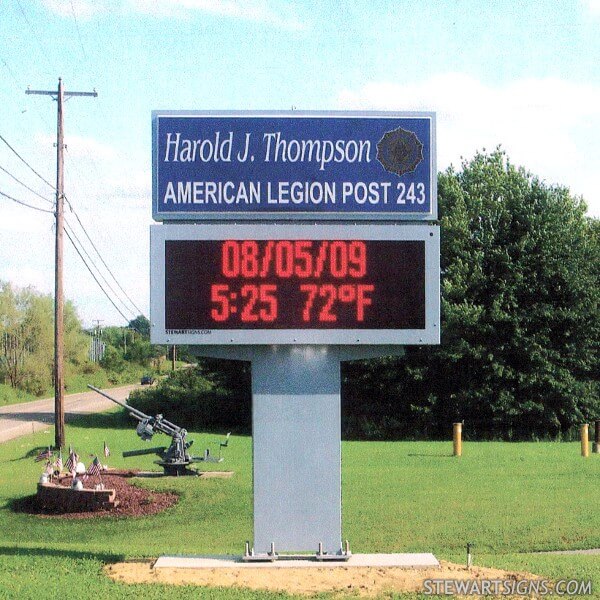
x: 36, y: 36
x: 10, y: 71
x: 97, y: 269
x: 26, y: 163
x: 140, y: 312
x: 78, y: 31
x: 79, y: 253
x: 26, y: 186
x: 95, y: 279
x: 76, y: 216
x: 25, y: 204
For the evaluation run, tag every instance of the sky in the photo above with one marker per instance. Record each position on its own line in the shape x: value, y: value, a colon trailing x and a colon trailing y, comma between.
x: 524, y: 75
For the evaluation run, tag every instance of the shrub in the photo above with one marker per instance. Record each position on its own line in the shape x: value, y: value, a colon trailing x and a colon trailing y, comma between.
x: 191, y: 400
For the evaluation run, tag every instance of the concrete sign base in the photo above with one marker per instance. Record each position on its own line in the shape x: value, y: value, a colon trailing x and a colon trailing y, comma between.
x: 403, y: 561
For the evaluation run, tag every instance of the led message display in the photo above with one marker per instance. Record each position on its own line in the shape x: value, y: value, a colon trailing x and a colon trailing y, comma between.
x: 295, y: 284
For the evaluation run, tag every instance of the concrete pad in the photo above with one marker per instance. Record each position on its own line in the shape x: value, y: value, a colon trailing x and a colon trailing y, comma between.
x: 402, y: 561
x: 215, y: 474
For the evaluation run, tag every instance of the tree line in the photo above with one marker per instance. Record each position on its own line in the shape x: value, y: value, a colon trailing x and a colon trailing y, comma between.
x: 27, y: 345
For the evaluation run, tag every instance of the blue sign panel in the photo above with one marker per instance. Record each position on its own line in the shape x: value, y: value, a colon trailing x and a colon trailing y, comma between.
x: 294, y: 165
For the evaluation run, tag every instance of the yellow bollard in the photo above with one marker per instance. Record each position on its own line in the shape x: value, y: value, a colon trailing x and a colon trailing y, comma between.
x: 457, y: 439
x: 585, y: 442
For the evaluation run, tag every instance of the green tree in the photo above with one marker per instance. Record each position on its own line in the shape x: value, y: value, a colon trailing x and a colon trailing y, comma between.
x: 142, y: 352
x: 13, y: 349
x: 520, y: 319
x: 130, y: 344
x: 27, y: 334
x: 117, y: 337
x: 212, y: 396
x: 37, y: 330
x: 112, y: 360
x: 141, y: 325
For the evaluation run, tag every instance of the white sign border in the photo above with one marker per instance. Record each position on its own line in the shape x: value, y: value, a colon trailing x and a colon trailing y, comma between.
x: 426, y: 232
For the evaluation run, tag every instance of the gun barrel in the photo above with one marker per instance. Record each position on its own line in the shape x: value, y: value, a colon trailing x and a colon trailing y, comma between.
x: 138, y: 414
x: 158, y: 450
x: 169, y: 428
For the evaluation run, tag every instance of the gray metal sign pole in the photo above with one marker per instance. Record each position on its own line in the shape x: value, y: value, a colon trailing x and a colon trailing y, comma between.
x: 296, y: 427
x: 296, y: 431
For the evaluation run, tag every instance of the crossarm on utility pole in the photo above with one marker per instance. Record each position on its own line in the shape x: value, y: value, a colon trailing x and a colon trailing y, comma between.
x: 66, y: 95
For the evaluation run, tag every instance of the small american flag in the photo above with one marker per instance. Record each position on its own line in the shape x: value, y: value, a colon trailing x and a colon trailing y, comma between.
x: 106, y: 450
x: 94, y: 469
x: 71, y: 462
x: 59, y: 462
x: 49, y: 468
x: 43, y: 455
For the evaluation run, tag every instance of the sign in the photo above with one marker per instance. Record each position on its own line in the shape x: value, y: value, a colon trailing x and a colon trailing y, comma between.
x: 293, y: 165
x: 302, y: 284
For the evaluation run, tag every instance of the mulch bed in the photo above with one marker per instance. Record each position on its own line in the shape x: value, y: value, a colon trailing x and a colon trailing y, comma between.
x: 134, y: 501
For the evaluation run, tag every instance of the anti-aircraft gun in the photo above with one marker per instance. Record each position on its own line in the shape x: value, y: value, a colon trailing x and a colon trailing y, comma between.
x: 175, y: 459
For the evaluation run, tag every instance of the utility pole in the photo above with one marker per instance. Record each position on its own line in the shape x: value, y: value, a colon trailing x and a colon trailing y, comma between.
x: 59, y: 388
x: 98, y: 329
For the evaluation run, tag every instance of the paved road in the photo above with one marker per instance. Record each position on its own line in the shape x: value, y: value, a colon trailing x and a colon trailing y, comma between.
x: 21, y: 419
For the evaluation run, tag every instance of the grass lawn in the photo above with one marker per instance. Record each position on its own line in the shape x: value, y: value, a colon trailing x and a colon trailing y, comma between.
x: 509, y: 500
x: 10, y: 395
